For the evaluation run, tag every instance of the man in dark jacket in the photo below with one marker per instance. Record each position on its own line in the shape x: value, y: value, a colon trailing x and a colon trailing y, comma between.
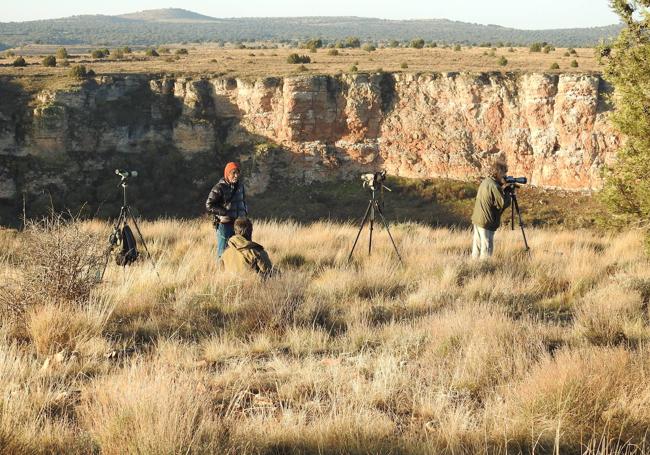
x: 491, y: 202
x: 243, y: 255
x: 227, y: 202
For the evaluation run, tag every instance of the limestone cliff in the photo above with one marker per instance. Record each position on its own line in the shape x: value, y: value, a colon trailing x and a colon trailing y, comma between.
x: 551, y: 128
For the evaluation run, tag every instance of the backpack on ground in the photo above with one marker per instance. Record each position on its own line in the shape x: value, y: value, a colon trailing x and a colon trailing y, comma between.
x: 128, y: 253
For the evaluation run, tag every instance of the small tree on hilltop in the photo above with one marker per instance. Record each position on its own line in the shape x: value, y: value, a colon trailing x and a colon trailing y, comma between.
x: 50, y: 61
x: 20, y: 62
x: 78, y: 72
x: 62, y: 53
x: 417, y: 43
x: 627, y: 183
x: 295, y: 59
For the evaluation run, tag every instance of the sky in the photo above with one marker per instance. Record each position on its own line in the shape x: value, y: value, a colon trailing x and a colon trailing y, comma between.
x: 523, y: 14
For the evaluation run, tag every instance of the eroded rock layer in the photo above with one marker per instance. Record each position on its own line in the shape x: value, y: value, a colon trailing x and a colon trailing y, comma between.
x: 551, y: 128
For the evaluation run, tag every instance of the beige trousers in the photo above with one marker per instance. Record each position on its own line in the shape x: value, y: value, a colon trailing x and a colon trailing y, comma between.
x: 483, y: 244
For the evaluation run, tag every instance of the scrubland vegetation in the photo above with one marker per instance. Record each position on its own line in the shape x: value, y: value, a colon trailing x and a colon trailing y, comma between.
x: 263, y: 61
x: 540, y: 353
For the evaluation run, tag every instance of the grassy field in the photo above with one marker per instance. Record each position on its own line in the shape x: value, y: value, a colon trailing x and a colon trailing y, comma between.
x: 205, y: 59
x: 540, y: 353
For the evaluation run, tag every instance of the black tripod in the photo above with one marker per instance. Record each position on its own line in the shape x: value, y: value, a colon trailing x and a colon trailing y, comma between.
x: 514, y: 207
x: 374, y: 206
x: 122, y: 221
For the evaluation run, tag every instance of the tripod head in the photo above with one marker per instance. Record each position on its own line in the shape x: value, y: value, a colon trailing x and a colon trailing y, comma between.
x: 375, y: 181
x: 125, y: 176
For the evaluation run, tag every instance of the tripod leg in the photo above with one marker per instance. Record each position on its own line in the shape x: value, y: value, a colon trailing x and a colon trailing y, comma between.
x: 512, y: 212
x: 372, y: 226
x: 137, y: 229
x: 363, y: 222
x: 383, y: 220
x: 515, y: 204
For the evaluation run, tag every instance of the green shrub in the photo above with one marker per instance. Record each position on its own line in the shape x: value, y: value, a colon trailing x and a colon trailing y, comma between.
x: 510, y: 49
x: 295, y: 59
x: 78, y: 72
x: 354, y: 69
x: 62, y: 53
x: 567, y: 54
x: 547, y: 49
x: 555, y: 66
x: 163, y: 50
x: 393, y: 43
x: 369, y: 48
x: 50, y: 61
x: 99, y: 53
x: 535, y: 47
x: 19, y: 62
x: 352, y: 42
x: 502, y: 61
x: 417, y: 43
x: 404, y: 65
x: 117, y: 54
x: 457, y: 47
x: 314, y: 43
x: 181, y: 51
x: 151, y: 53
x: 333, y: 52
x: 574, y: 64
x: 126, y: 50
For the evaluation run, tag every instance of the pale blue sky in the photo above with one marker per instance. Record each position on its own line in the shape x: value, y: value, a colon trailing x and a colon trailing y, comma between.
x: 532, y: 14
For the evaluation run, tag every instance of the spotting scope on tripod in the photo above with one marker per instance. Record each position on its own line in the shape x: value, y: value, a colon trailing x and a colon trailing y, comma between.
x: 375, y: 183
x: 512, y: 184
x: 122, y: 236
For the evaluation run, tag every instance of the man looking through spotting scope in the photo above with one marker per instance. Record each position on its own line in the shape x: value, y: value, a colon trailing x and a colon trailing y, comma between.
x: 491, y: 202
x: 227, y: 202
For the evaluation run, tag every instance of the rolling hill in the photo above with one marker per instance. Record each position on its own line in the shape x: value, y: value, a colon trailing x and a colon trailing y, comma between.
x: 170, y: 25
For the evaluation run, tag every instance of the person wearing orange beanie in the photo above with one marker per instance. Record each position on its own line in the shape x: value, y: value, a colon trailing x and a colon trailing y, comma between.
x: 227, y: 202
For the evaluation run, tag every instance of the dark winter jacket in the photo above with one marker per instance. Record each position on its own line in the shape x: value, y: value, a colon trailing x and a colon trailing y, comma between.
x: 226, y: 202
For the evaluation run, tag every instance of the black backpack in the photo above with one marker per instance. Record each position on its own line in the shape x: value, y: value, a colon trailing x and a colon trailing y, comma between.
x: 129, y: 252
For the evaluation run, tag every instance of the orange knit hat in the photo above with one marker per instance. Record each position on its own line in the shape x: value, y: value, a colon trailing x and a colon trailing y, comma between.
x: 229, y: 168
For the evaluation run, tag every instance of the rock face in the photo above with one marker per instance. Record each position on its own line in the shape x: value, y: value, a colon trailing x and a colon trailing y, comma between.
x: 551, y: 128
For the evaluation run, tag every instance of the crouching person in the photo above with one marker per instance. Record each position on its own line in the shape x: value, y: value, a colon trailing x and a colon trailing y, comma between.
x: 243, y: 254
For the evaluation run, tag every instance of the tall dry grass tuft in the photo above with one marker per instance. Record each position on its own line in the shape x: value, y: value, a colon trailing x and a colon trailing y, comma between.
x: 150, y: 408
x: 580, y: 398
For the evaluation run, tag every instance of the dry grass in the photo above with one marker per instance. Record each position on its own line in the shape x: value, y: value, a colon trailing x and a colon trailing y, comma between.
x: 520, y: 354
x: 206, y: 59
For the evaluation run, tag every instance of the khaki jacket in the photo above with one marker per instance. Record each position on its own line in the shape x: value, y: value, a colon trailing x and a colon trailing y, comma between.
x: 242, y: 256
x: 491, y: 201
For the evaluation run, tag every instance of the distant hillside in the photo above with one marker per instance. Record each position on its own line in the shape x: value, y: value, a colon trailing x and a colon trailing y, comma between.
x: 168, y: 15
x: 170, y: 25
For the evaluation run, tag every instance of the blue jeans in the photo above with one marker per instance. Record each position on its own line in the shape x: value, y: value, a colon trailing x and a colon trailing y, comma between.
x: 224, y: 232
